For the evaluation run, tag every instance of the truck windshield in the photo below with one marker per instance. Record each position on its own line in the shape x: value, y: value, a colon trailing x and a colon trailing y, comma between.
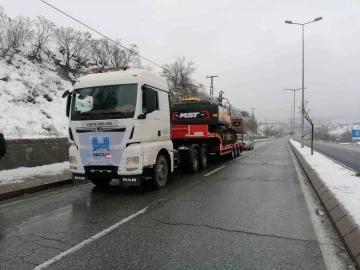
x: 104, y: 102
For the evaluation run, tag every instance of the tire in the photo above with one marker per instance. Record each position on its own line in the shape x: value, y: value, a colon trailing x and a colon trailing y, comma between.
x: 161, y: 172
x: 237, y: 151
x: 204, y: 157
x: 101, y: 182
x: 232, y: 155
x: 194, y: 164
x: 241, y: 150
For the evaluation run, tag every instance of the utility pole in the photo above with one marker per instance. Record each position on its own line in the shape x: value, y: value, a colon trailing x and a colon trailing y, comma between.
x: 211, y: 97
x: 253, y: 121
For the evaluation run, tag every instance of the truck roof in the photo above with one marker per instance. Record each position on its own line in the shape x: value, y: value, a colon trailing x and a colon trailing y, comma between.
x: 127, y: 76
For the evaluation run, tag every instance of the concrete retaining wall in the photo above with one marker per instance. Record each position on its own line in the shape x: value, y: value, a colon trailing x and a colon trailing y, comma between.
x: 345, y: 225
x: 34, y: 152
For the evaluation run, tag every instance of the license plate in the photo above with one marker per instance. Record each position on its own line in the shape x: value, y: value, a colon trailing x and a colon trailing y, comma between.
x: 131, y: 180
x: 79, y: 177
x: 109, y: 123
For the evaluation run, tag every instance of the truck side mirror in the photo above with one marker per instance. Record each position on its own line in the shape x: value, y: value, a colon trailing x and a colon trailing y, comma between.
x: 65, y: 94
x: 68, y: 103
x: 2, y: 145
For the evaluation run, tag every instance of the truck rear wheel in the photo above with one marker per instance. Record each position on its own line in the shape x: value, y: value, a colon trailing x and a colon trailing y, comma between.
x: 195, y: 160
x: 101, y: 182
x: 161, y: 172
x: 204, y: 157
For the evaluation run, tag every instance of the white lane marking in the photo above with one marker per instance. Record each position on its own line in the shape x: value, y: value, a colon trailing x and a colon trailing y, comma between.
x: 326, y: 235
x: 213, y: 171
x: 238, y: 157
x: 89, y: 240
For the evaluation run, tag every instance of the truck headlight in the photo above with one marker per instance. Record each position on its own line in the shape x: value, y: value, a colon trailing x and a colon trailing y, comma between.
x: 72, y: 160
x: 132, y: 160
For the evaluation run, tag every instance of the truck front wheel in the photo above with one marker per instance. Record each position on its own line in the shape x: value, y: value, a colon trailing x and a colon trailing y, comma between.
x: 161, y: 172
x: 101, y: 182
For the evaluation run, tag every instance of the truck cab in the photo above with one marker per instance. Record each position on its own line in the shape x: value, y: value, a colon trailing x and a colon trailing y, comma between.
x: 119, y: 127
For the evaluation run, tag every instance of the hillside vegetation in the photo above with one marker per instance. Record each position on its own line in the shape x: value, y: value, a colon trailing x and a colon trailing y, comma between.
x: 39, y: 61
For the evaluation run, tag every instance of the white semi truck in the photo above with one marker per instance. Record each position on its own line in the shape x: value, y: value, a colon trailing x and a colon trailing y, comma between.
x: 120, y: 127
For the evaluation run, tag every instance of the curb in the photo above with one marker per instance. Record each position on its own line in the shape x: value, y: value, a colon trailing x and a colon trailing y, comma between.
x: 344, y: 224
x: 33, y: 189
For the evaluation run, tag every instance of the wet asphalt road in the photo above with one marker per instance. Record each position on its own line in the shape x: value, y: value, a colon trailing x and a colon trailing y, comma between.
x: 348, y: 155
x: 249, y: 215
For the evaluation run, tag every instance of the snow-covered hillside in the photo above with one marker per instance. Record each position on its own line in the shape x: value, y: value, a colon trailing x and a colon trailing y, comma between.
x: 341, y: 129
x: 31, y: 105
x: 344, y: 121
x: 38, y: 62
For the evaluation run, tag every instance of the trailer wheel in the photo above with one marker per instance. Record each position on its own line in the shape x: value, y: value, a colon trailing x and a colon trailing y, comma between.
x: 237, y: 151
x: 161, y: 172
x: 195, y: 160
x: 204, y: 158
x: 101, y: 182
x: 232, y: 155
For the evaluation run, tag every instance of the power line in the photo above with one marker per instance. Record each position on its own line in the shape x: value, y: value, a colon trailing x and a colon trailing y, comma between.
x: 102, y: 35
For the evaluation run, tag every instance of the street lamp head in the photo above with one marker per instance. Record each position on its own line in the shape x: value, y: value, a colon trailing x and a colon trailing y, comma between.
x: 287, y: 21
x: 318, y: 19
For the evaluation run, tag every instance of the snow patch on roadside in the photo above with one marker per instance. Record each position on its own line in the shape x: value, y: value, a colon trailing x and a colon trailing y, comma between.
x: 340, y: 181
x: 259, y: 140
x: 17, y: 175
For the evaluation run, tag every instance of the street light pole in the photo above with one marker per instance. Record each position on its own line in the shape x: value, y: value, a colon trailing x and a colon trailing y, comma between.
x: 253, y: 121
x: 293, y: 119
x: 302, y: 94
x: 303, y: 75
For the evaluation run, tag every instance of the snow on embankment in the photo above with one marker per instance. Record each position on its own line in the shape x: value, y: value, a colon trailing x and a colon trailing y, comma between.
x: 17, y: 175
x: 31, y: 105
x: 340, y: 181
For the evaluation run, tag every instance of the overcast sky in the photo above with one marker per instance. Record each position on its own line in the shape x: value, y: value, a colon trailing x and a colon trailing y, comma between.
x: 245, y: 42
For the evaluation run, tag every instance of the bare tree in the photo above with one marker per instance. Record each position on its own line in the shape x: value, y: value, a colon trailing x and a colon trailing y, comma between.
x: 106, y: 53
x: 179, y: 77
x: 98, y: 55
x: 3, y: 21
x: 71, y: 44
x: 43, y: 32
x: 13, y: 33
x: 305, y: 111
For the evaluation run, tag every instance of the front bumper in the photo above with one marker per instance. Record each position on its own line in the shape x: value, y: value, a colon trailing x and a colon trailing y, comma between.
x: 124, y: 180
